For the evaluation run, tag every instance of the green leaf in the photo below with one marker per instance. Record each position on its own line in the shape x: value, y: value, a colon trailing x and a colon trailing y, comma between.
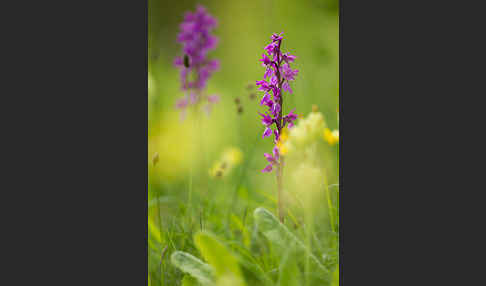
x: 154, y: 231
x: 193, y: 266
x: 279, y: 234
x: 220, y: 258
x: 335, y: 277
x: 238, y: 224
x: 255, y: 270
x: 289, y: 273
x: 189, y: 281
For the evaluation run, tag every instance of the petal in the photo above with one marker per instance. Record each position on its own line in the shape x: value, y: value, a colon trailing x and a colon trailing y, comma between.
x: 275, y: 153
x: 268, y: 73
x: 267, y: 132
x: 267, y: 169
x: 213, y: 98
x: 181, y: 103
x: 286, y: 87
x: 269, y: 157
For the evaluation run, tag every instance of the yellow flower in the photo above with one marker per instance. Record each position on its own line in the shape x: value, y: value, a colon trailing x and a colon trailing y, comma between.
x: 332, y: 137
x: 217, y: 170
x: 282, y: 147
x: 312, y: 176
x: 281, y: 144
x: 285, y: 134
x: 233, y: 155
x: 230, y: 158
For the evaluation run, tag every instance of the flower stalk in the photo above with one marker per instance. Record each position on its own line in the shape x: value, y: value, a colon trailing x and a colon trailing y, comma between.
x: 278, y: 70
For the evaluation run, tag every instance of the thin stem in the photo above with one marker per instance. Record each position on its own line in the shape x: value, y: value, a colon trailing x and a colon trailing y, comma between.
x: 330, y: 207
x: 280, y: 206
x: 194, y: 127
x: 243, y: 170
x: 191, y: 179
x: 160, y: 231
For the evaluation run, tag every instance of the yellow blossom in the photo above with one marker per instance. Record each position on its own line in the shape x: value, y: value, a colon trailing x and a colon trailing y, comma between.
x: 284, y: 135
x: 281, y: 144
x: 233, y: 155
x: 332, y: 137
x: 229, y: 159
x: 312, y: 176
x: 282, y: 147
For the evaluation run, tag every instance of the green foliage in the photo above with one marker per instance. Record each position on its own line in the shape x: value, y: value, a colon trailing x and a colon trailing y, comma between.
x: 154, y: 231
x: 189, y: 281
x: 237, y: 223
x: 335, y: 277
x: 220, y: 258
x: 289, y: 273
x: 280, y: 236
x: 193, y: 266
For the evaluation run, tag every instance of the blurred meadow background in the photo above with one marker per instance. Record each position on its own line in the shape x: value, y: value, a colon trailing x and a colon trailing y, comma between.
x: 211, y: 211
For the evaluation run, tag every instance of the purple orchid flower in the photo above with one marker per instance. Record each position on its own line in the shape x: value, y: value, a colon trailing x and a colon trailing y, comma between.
x: 196, y: 69
x: 276, y: 78
x: 271, y: 159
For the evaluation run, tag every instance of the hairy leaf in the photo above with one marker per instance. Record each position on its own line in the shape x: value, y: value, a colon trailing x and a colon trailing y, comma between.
x: 225, y: 264
x: 289, y: 273
x: 193, y: 266
x: 279, y: 234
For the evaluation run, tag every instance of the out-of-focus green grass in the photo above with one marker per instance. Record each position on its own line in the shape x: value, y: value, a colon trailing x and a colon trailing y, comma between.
x: 183, y: 198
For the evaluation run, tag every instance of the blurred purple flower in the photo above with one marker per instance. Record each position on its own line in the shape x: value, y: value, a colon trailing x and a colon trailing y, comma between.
x: 197, y: 40
x: 213, y: 98
x: 271, y: 159
x: 290, y: 118
x: 288, y: 73
x: 265, y: 60
x: 288, y: 58
x: 286, y: 87
x: 266, y: 120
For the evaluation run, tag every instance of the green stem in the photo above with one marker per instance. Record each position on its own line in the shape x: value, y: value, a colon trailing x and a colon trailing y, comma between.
x: 329, y: 204
x: 191, y: 179
x: 280, y: 207
x: 244, y: 168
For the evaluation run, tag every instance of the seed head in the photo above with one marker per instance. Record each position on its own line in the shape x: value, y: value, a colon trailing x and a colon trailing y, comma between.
x: 155, y: 158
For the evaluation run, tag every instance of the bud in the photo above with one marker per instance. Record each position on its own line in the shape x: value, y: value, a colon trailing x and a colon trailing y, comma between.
x: 252, y: 96
x: 237, y: 100
x: 155, y: 158
x: 186, y: 61
x: 240, y: 109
